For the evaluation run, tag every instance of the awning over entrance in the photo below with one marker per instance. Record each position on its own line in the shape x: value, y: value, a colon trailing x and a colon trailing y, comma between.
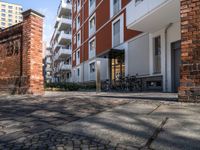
x: 111, y: 53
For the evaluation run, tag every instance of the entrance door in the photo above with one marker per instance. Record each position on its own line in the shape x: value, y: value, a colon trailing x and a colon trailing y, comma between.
x: 176, y: 63
x: 118, y: 68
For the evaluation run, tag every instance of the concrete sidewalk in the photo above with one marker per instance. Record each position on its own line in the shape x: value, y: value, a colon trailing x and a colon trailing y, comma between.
x: 144, y: 124
x: 104, y: 121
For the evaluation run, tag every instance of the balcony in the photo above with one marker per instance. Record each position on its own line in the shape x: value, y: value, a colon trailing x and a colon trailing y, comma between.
x: 48, y: 60
x: 48, y: 76
x: 65, y: 6
x: 63, y: 52
x: 48, y: 69
x: 65, y: 67
x: 64, y: 38
x: 152, y: 15
x: 62, y: 22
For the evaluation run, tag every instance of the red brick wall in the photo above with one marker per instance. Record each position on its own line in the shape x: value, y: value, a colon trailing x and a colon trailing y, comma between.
x: 190, y: 32
x: 21, y: 56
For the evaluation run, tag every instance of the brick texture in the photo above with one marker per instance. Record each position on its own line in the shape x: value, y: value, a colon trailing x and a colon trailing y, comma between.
x: 21, y: 56
x: 190, y: 71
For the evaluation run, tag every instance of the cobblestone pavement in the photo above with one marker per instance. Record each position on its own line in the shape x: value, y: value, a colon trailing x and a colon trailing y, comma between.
x: 29, y: 122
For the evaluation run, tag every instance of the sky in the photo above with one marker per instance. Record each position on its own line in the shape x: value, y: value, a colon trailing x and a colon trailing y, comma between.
x: 47, y: 8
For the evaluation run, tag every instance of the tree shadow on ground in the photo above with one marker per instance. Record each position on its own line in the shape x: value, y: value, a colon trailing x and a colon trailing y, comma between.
x: 31, y: 122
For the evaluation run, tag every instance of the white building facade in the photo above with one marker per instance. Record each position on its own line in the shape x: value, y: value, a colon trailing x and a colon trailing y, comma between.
x: 61, y: 43
x: 160, y: 22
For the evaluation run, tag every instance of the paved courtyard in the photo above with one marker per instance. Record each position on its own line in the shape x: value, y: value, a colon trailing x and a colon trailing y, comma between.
x: 81, y: 120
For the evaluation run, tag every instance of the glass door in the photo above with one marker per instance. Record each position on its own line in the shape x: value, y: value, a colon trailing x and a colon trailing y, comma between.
x: 118, y: 68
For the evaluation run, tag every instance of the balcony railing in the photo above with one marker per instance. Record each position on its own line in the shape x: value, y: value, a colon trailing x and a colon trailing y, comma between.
x: 66, y: 35
x: 65, y: 66
x: 63, y: 52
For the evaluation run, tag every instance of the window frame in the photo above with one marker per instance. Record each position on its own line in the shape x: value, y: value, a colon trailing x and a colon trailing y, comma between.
x: 121, y: 19
x: 91, y: 32
x: 89, y: 53
x: 112, y: 8
x: 91, y: 8
x: 157, y: 70
x: 78, y: 56
x: 79, y: 40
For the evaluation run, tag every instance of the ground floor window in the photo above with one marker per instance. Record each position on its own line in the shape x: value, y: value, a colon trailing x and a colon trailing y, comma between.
x: 78, y: 72
x: 157, y: 54
x: 92, y: 67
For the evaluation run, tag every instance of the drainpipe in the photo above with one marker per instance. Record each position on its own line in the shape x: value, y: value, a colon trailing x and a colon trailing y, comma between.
x: 166, y: 39
x: 82, y: 34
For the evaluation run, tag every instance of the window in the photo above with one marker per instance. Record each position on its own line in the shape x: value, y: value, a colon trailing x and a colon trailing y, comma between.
x: 77, y: 57
x: 92, y: 48
x: 78, y: 22
x: 92, y: 25
x: 138, y: 1
x: 3, y: 15
x: 78, y: 72
x: 10, y: 11
x: 9, y: 20
x: 92, y: 67
x: 3, y: 23
x: 79, y: 39
x: 74, y: 56
x: 74, y: 39
x: 118, y: 31
x: 92, y: 5
x: 10, y: 7
x: 10, y: 16
x: 3, y: 19
x: 74, y: 23
x: 3, y: 10
x: 78, y: 5
x: 3, y: 6
x: 115, y: 7
x: 10, y: 24
x: 74, y: 7
x: 157, y: 54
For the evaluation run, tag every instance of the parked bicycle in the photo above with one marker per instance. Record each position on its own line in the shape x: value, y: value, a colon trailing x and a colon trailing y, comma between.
x: 129, y: 83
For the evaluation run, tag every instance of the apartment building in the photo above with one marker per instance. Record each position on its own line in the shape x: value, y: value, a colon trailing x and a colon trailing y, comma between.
x: 99, y: 34
x: 10, y: 14
x: 61, y: 43
x: 157, y: 40
x: 48, y: 65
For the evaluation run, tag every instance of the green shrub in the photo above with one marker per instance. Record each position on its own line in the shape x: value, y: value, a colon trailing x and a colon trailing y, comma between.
x: 70, y: 86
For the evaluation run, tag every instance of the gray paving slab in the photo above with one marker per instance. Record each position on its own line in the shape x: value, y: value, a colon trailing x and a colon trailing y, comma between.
x: 179, y: 134
x: 128, y: 124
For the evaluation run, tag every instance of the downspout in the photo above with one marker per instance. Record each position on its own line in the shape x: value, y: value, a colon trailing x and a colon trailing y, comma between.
x: 82, y: 34
x: 166, y: 39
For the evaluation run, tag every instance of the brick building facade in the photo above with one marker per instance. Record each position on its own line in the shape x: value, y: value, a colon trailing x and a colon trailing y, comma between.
x: 21, y: 56
x: 190, y: 47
